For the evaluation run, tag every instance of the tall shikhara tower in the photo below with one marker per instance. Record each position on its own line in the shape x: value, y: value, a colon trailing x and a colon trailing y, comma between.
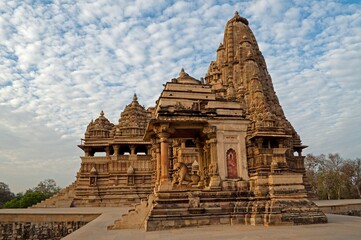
x: 240, y: 73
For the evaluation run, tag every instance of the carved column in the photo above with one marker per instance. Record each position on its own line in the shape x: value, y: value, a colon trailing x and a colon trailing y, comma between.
x: 206, y: 156
x: 107, y: 151
x: 87, y: 152
x: 213, y: 150
x: 116, y: 150
x: 215, y: 180
x: 199, y: 145
x: 213, y: 156
x: 170, y: 157
x: 183, y: 144
x: 132, y: 150
x: 158, y: 164
x: 164, y: 147
x: 212, y: 142
x: 149, y: 150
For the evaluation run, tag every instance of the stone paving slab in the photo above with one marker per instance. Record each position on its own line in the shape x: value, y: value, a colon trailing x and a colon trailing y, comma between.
x: 339, y: 227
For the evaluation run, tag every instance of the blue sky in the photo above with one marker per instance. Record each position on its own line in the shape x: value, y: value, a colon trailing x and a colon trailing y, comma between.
x: 63, y: 61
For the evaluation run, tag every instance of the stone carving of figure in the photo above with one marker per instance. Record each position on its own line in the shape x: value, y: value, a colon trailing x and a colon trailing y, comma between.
x: 181, y: 174
x: 213, y: 169
x: 194, y: 200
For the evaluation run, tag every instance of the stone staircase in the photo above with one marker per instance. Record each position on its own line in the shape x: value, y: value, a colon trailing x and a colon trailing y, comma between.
x: 62, y: 199
x: 136, y: 217
x: 110, y: 196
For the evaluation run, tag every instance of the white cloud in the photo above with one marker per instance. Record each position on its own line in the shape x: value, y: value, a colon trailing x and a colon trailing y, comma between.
x: 62, y: 63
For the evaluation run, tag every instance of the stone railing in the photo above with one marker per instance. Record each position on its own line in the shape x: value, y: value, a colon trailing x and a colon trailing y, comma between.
x: 138, y: 165
x: 94, y: 159
x: 118, y: 163
x: 100, y: 167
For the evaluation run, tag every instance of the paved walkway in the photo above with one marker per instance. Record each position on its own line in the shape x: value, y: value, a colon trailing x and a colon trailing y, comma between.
x: 339, y: 227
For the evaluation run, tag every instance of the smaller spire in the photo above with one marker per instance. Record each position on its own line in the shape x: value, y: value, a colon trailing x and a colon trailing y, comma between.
x: 186, y: 78
x: 102, y: 113
x: 135, y: 98
x: 182, y: 73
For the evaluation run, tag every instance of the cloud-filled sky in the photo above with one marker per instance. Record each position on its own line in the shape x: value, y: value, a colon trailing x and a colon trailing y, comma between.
x: 63, y: 61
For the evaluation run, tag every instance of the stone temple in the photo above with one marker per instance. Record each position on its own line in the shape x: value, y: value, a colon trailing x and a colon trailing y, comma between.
x: 218, y: 150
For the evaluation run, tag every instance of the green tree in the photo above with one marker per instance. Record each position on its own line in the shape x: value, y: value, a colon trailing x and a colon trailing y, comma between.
x: 42, y: 191
x: 5, y: 193
x: 15, y: 202
x: 48, y: 187
x: 32, y: 198
x: 332, y: 177
x: 357, y: 179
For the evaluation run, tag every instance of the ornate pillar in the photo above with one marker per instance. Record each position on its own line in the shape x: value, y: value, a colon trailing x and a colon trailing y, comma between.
x: 149, y: 150
x: 163, y: 132
x: 212, y: 142
x: 116, y: 150
x: 132, y: 149
x: 87, y: 152
x: 164, y: 147
x: 201, y: 163
x: 183, y: 144
x: 213, y: 150
x: 107, y: 151
x: 170, y: 157
x: 175, y: 149
x: 215, y: 180
x: 158, y: 162
x: 114, y: 157
x: 206, y: 156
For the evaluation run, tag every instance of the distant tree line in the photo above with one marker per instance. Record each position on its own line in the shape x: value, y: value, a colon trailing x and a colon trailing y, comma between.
x: 333, y: 177
x: 42, y: 191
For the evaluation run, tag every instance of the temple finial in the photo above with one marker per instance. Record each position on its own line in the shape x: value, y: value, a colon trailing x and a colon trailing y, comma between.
x: 182, y: 73
x: 238, y: 18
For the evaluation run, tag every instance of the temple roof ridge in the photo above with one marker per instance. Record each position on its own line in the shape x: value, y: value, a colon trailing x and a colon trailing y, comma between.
x: 186, y: 78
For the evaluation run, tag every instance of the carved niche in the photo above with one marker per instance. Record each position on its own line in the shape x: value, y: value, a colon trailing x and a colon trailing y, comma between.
x: 231, y: 163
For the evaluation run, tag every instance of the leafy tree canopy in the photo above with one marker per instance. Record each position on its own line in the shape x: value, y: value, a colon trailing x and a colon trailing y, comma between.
x: 42, y: 191
x: 332, y: 177
x: 5, y: 193
x: 48, y: 187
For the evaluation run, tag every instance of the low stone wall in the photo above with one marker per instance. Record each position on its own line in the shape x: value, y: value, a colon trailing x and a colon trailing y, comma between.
x: 41, y: 226
x: 344, y: 209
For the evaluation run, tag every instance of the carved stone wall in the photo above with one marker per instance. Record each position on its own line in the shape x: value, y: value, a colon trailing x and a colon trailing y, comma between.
x: 38, y: 231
